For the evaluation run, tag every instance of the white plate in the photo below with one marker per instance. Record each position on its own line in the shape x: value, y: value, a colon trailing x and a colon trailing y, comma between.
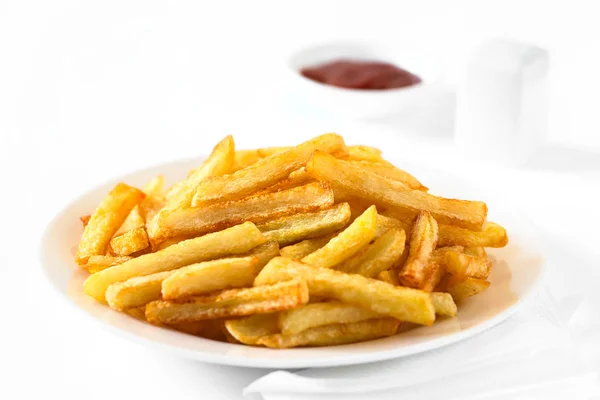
x: 516, y: 273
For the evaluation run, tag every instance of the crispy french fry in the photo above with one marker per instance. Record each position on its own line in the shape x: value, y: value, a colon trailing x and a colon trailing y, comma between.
x: 402, y: 303
x: 423, y: 241
x: 231, y: 303
x: 235, y: 240
x: 347, y: 243
x: 493, y: 235
x: 300, y: 250
x: 296, y: 178
x: 389, y: 171
x: 297, y: 227
x: 243, y: 159
x: 461, y: 265
x: 98, y: 263
x: 260, y: 208
x: 269, y: 151
x: 443, y: 304
x: 129, y: 242
x: 436, y: 274
x: 248, y: 330
x: 106, y: 220
x: 460, y: 290
x: 210, y: 276
x: 379, y: 256
x: 318, y: 314
x: 135, y: 292
x: 365, y: 153
x: 393, y: 194
x: 331, y: 335
x: 264, y: 172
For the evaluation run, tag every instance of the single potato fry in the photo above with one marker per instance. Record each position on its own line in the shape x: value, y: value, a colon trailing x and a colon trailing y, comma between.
x: 423, y: 241
x: 402, y: 303
x: 331, y: 335
x: 436, y: 273
x: 235, y: 240
x: 98, y: 263
x: 389, y: 171
x: 133, y: 221
x: 106, y: 220
x: 129, y: 242
x: 260, y: 208
x: 135, y: 292
x: 210, y: 276
x: 460, y: 290
x: 377, y: 257
x: 493, y: 235
x: 231, y: 303
x: 365, y: 153
x: 461, y: 265
x: 297, y: 227
x: 318, y: 314
x: 347, y: 243
x: 265, y: 172
x: 300, y: 250
x: 444, y: 304
x: 248, y: 330
x: 389, y: 193
x: 243, y: 159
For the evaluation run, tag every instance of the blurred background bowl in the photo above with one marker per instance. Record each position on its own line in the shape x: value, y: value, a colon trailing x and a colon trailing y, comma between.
x: 360, y: 103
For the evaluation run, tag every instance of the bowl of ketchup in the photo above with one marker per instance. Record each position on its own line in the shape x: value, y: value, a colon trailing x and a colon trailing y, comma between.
x: 362, y: 80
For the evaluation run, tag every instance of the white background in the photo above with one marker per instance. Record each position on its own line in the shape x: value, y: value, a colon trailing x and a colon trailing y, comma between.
x: 90, y: 90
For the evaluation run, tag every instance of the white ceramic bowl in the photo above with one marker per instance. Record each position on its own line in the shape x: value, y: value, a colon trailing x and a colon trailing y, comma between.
x: 359, y: 103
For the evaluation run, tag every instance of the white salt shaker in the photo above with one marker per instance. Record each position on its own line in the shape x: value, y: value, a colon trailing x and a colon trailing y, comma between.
x: 501, y: 103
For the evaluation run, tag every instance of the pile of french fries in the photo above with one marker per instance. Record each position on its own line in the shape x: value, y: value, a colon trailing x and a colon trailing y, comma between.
x: 314, y: 245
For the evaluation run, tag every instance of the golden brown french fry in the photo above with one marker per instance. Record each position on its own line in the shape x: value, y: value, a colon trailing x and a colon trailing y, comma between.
x: 423, y: 241
x: 269, y: 151
x: 461, y: 289
x: 264, y: 172
x: 347, y: 243
x: 461, y: 265
x: 129, y: 242
x: 297, y: 178
x: 389, y: 171
x: 106, y: 220
x: 300, y: 250
x: 260, y: 208
x: 393, y: 194
x: 318, y: 314
x: 248, y: 330
x: 210, y: 276
x: 135, y: 292
x: 164, y: 243
x: 439, y: 254
x: 331, y: 335
x: 402, y: 303
x: 243, y: 159
x: 443, y: 304
x: 493, y: 235
x: 133, y: 221
x: 379, y: 256
x: 98, y: 263
x: 231, y: 303
x: 436, y: 274
x: 235, y: 240
x: 297, y: 227
x: 365, y: 153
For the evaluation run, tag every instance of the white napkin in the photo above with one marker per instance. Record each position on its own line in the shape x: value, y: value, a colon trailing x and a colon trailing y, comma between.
x: 530, y: 356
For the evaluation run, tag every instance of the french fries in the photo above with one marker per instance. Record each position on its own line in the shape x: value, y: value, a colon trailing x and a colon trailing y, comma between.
x: 493, y: 235
x: 210, y: 276
x: 364, y: 246
x: 264, y: 172
x: 423, y: 240
x: 392, y: 194
x: 377, y: 257
x: 347, y: 243
x: 309, y: 316
x: 230, y: 303
x: 331, y: 335
x: 235, y: 240
x: 106, y: 220
x: 249, y: 330
x: 297, y: 227
x: 402, y: 303
x: 200, y: 220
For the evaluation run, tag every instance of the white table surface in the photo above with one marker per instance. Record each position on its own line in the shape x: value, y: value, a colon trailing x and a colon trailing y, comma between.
x: 91, y: 92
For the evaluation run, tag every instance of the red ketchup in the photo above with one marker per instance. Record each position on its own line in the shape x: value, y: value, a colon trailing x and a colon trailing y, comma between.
x: 366, y: 75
